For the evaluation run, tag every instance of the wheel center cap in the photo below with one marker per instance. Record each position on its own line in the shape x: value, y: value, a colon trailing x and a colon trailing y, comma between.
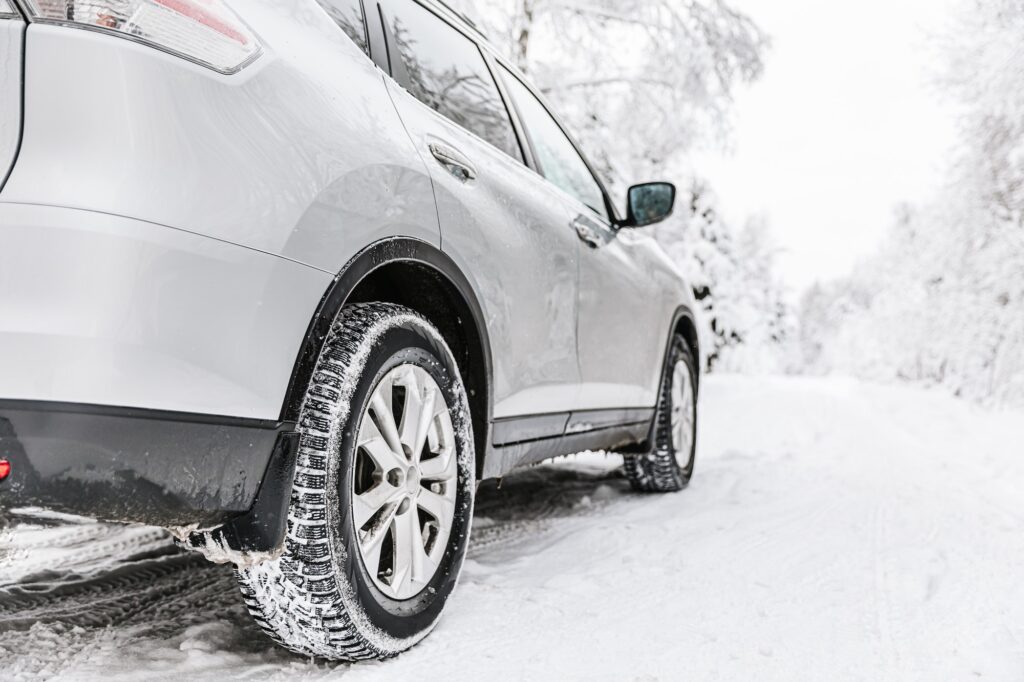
x: 412, y: 480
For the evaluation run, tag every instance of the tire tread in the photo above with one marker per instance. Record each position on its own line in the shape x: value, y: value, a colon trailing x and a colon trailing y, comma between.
x: 658, y: 471
x: 299, y: 604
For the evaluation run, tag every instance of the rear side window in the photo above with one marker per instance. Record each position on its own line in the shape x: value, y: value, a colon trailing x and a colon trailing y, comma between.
x: 447, y: 72
x: 348, y: 14
x: 558, y: 159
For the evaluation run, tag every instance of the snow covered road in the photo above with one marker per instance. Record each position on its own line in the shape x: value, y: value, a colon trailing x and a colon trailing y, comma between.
x: 833, y: 530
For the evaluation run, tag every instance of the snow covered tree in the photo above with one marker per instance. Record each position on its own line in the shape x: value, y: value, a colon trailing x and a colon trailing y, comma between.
x: 641, y: 82
x: 761, y: 305
x: 702, y: 244
x: 748, y: 321
x: 943, y: 301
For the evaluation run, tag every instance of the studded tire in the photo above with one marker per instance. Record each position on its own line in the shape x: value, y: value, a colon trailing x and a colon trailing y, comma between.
x: 318, y: 598
x: 664, y: 469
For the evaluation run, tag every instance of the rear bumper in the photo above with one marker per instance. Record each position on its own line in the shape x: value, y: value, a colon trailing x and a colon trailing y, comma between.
x: 143, y: 370
x: 160, y: 468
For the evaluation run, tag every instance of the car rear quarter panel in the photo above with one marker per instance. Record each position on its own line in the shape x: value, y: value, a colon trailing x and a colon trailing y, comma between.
x: 103, y: 310
x: 168, y: 232
x: 301, y: 154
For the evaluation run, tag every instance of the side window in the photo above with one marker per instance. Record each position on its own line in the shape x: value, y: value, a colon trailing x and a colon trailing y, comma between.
x: 348, y: 14
x: 558, y: 159
x: 447, y: 72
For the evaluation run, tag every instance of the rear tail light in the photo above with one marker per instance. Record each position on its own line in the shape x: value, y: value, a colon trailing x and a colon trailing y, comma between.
x: 203, y: 31
x: 5, y: 469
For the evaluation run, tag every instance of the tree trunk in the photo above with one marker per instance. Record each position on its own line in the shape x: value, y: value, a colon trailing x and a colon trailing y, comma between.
x: 522, y: 40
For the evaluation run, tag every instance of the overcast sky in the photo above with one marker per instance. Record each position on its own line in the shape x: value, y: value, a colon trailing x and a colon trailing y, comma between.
x: 844, y: 125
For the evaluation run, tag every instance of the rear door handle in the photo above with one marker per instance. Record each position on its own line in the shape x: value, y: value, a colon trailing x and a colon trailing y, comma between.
x: 453, y: 162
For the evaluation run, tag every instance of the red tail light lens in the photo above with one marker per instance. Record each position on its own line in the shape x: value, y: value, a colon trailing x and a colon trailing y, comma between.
x: 203, y: 31
x: 5, y: 469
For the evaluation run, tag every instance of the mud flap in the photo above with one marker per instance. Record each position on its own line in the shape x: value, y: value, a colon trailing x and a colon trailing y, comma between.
x: 258, y: 534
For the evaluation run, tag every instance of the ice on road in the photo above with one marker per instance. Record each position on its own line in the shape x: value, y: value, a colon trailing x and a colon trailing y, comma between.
x: 834, y: 530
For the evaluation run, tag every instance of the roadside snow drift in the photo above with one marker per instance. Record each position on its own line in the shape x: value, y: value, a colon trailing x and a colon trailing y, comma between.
x: 833, y: 530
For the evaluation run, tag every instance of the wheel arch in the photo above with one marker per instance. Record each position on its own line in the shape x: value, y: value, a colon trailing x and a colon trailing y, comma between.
x: 684, y: 323
x: 417, y: 275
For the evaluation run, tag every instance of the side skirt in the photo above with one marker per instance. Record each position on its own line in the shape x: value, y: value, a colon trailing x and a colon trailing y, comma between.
x: 522, y: 441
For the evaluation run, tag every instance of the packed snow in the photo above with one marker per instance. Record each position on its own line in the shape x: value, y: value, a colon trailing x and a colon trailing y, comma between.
x: 834, y: 530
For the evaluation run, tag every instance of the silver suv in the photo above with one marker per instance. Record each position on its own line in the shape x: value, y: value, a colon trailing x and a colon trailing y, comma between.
x: 289, y: 277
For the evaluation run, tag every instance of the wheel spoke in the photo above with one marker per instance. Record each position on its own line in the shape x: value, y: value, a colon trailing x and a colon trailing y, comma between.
x: 374, y: 444
x: 437, y: 505
x: 683, y: 444
x: 687, y: 407
x: 423, y: 566
x: 440, y: 440
x: 381, y: 404
x: 408, y: 538
x: 424, y: 422
x: 683, y: 419
x: 371, y: 540
x: 366, y: 505
x: 411, y: 415
x: 444, y: 467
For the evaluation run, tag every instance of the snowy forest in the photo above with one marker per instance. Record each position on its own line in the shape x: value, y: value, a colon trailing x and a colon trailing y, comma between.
x: 940, y: 303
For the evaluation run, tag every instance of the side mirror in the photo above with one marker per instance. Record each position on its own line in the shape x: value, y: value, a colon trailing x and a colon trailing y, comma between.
x: 649, y: 203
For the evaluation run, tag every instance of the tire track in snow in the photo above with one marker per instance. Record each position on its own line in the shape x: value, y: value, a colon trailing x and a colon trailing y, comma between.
x: 884, y: 617
x: 533, y: 502
x: 98, y: 576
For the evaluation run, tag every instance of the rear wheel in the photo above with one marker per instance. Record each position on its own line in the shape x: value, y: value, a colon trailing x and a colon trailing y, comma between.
x: 382, y: 499
x: 669, y: 465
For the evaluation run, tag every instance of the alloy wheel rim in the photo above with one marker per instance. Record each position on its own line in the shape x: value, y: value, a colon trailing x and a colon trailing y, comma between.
x: 405, y: 482
x: 682, y: 413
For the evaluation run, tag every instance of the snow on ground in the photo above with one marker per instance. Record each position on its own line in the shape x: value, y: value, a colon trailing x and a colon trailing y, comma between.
x: 834, y: 530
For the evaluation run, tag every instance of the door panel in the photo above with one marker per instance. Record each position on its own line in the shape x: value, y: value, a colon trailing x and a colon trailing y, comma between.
x: 504, y: 226
x: 622, y: 293
x: 511, y: 236
x: 625, y: 310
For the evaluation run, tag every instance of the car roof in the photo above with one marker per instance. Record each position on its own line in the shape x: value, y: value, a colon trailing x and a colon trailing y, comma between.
x: 460, y: 18
x: 473, y: 31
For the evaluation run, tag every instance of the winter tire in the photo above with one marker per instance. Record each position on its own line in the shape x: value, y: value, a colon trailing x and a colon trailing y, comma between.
x: 382, y: 499
x: 669, y: 464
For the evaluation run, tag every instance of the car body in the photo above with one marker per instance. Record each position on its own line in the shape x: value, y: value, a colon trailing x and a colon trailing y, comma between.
x: 175, y: 241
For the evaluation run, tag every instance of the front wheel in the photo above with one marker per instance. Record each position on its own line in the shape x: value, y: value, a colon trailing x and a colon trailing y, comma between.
x: 382, y: 499
x: 669, y: 465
